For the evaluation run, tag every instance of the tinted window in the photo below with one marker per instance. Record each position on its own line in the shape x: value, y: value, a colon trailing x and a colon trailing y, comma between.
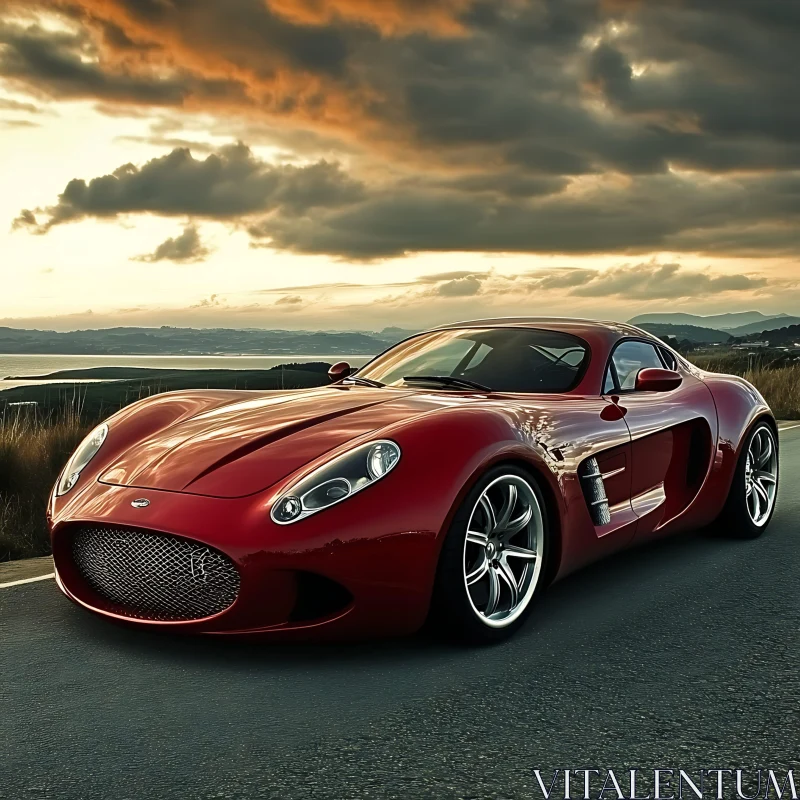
x: 668, y: 358
x: 608, y: 383
x: 504, y: 359
x: 630, y: 357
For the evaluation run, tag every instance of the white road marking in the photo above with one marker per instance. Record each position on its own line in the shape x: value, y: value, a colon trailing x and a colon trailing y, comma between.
x: 788, y: 427
x: 27, y: 580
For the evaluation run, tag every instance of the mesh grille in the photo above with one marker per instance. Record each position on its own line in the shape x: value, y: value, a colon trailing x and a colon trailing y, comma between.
x: 154, y: 576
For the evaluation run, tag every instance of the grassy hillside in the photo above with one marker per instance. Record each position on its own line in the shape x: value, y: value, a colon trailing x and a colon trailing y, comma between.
x: 778, y: 381
x: 780, y: 337
x: 125, y: 384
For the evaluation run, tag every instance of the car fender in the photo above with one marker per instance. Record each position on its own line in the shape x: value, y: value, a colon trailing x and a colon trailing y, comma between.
x: 739, y: 406
x: 448, y: 451
x: 143, y: 418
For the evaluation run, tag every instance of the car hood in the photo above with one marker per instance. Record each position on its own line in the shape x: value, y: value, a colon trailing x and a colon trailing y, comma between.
x: 243, y: 447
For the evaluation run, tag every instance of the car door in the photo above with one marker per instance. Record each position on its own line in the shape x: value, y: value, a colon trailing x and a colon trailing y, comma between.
x: 672, y: 432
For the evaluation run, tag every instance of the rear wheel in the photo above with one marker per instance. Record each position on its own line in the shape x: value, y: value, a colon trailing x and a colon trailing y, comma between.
x: 751, y: 501
x: 492, y: 558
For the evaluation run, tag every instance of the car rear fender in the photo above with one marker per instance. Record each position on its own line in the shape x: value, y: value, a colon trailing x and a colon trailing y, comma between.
x: 739, y: 406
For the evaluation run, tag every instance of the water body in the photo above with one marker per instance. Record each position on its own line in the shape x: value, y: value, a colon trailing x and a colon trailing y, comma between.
x: 21, y: 365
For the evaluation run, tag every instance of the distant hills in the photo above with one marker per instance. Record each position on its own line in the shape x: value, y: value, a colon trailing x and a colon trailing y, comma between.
x: 767, y: 326
x: 717, y: 321
x: 693, y: 333
x: 198, y: 341
x: 713, y: 328
x: 167, y: 340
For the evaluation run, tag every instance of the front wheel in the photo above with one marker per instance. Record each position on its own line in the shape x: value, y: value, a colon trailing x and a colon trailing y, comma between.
x: 492, y: 559
x: 751, y: 501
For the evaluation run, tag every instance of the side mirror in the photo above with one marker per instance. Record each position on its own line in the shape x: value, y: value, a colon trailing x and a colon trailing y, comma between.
x: 339, y: 371
x: 654, y: 379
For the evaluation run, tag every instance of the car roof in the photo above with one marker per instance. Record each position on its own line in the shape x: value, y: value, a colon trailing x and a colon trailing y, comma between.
x: 573, y: 325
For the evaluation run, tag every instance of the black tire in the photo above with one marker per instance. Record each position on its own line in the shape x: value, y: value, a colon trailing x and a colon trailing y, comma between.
x: 453, y: 615
x: 735, y: 521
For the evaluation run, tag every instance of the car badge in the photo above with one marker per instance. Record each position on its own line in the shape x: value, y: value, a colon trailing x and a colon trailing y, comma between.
x: 198, y: 566
x: 140, y: 503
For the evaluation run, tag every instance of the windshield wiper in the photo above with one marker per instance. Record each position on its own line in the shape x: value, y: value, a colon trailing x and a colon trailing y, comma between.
x: 364, y: 381
x: 447, y: 380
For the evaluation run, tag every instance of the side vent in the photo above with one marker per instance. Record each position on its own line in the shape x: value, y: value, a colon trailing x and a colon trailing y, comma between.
x: 594, y: 491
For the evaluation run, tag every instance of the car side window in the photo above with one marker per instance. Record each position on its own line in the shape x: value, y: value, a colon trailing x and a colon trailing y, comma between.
x: 630, y: 357
x: 608, y: 383
x: 668, y: 359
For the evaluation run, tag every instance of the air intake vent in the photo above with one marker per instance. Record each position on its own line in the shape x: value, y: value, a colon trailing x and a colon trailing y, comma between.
x: 153, y: 576
x: 594, y: 491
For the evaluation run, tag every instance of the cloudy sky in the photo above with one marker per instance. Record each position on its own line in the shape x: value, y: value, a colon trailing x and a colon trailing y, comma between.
x: 362, y: 163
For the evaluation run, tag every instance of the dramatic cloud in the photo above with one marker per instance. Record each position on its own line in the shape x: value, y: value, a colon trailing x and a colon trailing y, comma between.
x: 528, y: 126
x: 668, y: 212
x: 226, y: 185
x: 388, y: 15
x: 184, y: 249
x: 560, y: 87
x: 649, y: 281
x: 320, y: 209
x: 61, y: 65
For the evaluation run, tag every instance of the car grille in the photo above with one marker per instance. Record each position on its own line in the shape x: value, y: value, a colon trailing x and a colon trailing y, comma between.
x: 153, y: 576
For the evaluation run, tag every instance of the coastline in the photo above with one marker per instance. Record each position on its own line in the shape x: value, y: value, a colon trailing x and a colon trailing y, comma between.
x: 100, y: 391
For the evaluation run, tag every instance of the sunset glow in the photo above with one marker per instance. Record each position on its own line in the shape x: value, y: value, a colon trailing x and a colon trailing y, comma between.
x: 347, y: 164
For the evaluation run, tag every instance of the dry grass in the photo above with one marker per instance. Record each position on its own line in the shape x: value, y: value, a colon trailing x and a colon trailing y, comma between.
x: 780, y: 386
x: 33, y: 449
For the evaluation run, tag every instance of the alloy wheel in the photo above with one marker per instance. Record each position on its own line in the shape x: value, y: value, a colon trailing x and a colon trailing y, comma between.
x: 761, y: 475
x: 503, y: 550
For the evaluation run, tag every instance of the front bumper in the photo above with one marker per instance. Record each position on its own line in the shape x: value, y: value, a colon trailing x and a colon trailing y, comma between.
x: 382, y: 557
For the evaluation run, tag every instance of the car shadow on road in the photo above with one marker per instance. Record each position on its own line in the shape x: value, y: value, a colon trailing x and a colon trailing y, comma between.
x: 624, y: 577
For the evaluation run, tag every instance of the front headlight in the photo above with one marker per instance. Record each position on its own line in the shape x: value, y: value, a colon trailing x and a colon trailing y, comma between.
x: 86, y: 451
x: 336, y: 481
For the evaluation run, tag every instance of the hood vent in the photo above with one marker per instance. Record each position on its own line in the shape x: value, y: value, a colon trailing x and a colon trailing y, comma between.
x: 594, y: 491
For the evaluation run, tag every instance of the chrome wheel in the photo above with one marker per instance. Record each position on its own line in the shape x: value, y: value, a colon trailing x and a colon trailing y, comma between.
x: 503, y: 551
x: 761, y: 475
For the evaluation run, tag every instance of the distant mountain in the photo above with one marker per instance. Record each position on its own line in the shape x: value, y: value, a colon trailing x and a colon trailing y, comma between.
x: 763, y: 327
x: 196, y: 341
x: 694, y: 333
x: 716, y: 321
x: 395, y: 334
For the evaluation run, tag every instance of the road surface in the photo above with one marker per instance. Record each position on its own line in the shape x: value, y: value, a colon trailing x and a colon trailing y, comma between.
x: 684, y: 654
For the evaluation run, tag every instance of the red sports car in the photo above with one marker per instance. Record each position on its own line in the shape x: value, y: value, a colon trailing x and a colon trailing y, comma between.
x: 452, y: 478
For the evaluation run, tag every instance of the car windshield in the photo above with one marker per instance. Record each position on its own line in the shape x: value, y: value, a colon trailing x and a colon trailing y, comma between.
x: 500, y: 359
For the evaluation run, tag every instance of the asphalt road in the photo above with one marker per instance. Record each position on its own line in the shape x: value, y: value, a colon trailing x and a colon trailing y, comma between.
x: 684, y: 654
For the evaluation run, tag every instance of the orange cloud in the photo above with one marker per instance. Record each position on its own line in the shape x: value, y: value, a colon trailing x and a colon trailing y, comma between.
x: 237, y: 56
x: 390, y: 16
